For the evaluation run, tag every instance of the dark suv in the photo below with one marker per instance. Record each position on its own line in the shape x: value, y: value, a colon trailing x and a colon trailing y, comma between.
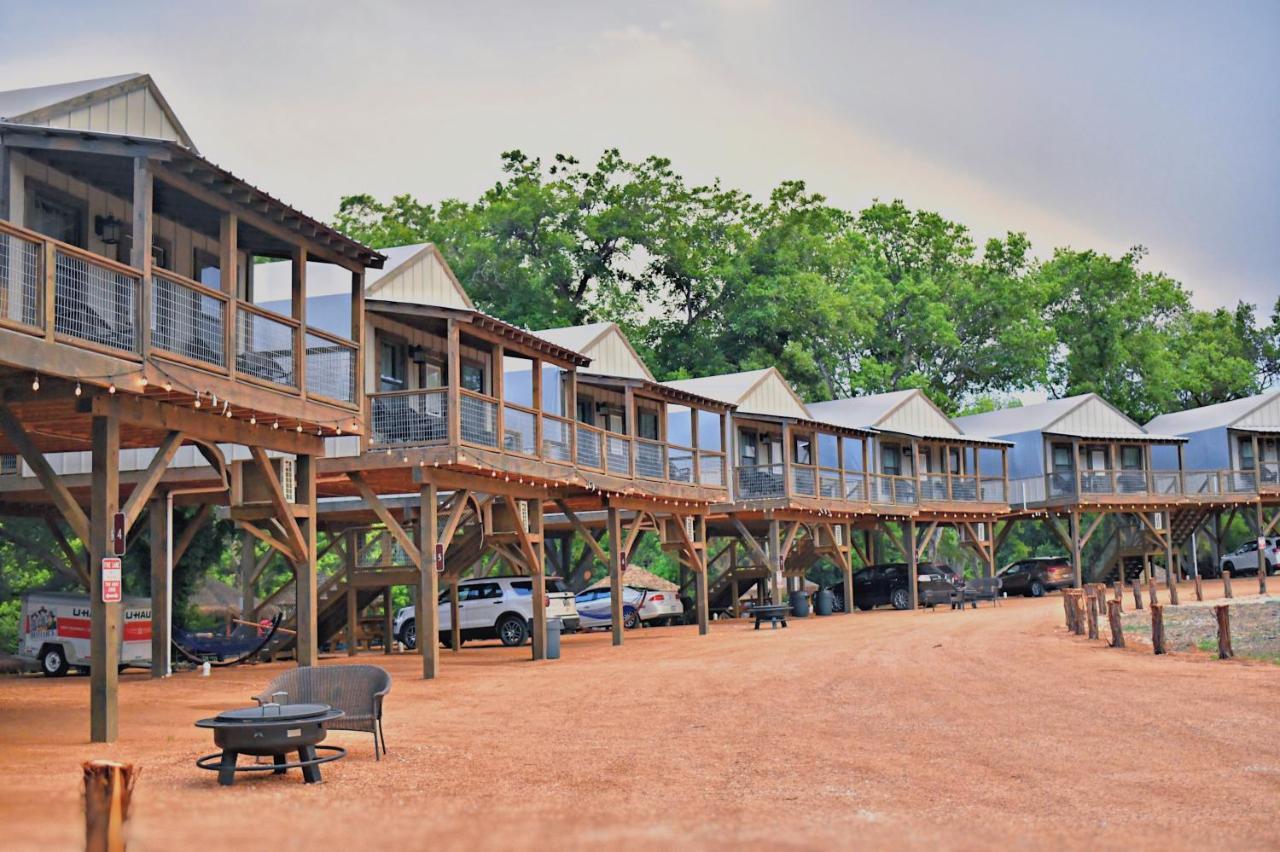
x: 877, y: 585
x: 1035, y: 576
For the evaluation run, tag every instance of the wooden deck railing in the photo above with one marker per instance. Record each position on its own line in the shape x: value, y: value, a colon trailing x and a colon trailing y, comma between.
x: 64, y: 293
x: 1097, y: 485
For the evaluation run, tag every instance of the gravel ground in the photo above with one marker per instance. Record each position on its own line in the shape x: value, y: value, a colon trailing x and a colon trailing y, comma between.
x: 931, y: 730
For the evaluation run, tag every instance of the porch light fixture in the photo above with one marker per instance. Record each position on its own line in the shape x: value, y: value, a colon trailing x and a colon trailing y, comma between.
x: 418, y: 355
x: 107, y: 228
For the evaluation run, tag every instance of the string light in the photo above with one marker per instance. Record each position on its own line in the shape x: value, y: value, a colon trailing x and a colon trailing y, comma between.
x: 298, y: 429
x: 35, y: 383
x: 197, y: 402
x: 275, y: 424
x: 78, y: 391
x: 253, y: 420
x: 111, y: 388
x: 168, y: 387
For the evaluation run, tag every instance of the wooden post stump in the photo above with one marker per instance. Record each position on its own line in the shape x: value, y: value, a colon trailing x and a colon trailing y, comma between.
x: 107, y: 788
x: 1157, y: 628
x: 1068, y: 610
x: 1117, y: 631
x: 1093, y: 616
x: 1226, y: 584
x: 1153, y: 592
x: 1173, y: 593
x: 1117, y: 593
x: 1222, y: 612
x: 1199, y: 588
x: 1137, y: 595
x: 1078, y: 601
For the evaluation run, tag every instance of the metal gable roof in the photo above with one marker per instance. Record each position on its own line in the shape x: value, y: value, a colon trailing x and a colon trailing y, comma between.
x: 18, y: 102
x: 1221, y: 415
x: 577, y: 337
x: 730, y: 387
x: 1069, y: 417
x: 1013, y: 421
x: 874, y: 412
x: 604, y: 343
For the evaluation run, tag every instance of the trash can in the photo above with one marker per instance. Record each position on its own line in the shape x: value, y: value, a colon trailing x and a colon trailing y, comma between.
x: 554, y: 627
x: 823, y: 602
x: 800, y: 604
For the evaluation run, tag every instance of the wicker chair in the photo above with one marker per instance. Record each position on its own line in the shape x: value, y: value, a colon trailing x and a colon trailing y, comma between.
x: 355, y: 690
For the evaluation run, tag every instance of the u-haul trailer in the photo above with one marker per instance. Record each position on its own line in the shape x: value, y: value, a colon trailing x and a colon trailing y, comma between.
x: 55, y: 632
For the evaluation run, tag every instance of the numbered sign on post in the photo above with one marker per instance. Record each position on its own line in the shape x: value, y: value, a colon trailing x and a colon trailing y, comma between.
x: 112, y: 580
x: 440, y: 558
x: 117, y: 534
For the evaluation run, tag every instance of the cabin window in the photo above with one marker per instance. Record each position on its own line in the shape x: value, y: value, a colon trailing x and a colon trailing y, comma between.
x: 953, y: 456
x: 748, y: 451
x: 709, y: 434
x: 586, y: 410
x: 647, y: 423
x: 1094, y: 458
x: 553, y: 390
x: 56, y: 214
x: 802, y: 449
x: 391, y: 365
x: 891, y: 460
x: 1131, y: 458
x: 1246, y: 453
x: 430, y: 374
x: 1062, y: 458
x: 829, y: 451
x: 472, y: 376
x: 204, y: 268
x: 610, y: 418
x: 680, y: 425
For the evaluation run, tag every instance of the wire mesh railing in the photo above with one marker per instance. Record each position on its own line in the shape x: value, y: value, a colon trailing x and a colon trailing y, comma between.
x: 265, y: 345
x: 21, y: 281
x: 590, y: 445
x: 187, y: 319
x: 679, y: 463
x: 95, y: 300
x: 804, y: 481
x: 557, y: 435
x: 650, y: 459
x: 409, y: 418
x: 519, y: 429
x: 618, y: 454
x: 331, y: 366
x: 479, y: 419
x: 760, y: 481
x: 711, y: 469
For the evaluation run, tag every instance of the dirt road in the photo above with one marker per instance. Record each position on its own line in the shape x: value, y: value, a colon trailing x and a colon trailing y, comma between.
x: 988, y: 728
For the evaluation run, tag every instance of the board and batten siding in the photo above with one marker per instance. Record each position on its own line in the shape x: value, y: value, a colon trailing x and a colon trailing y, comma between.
x: 1093, y: 416
x: 180, y: 241
x: 917, y: 416
x: 1266, y: 416
x: 611, y: 356
x: 423, y: 280
x: 772, y: 396
x: 135, y: 113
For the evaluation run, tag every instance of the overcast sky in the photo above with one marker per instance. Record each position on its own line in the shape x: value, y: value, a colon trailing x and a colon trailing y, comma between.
x: 1088, y: 124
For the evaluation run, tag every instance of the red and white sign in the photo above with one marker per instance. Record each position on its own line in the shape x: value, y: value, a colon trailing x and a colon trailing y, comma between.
x: 112, y: 580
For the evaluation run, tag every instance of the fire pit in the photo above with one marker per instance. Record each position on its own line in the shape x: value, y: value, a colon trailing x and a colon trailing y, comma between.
x: 271, y: 730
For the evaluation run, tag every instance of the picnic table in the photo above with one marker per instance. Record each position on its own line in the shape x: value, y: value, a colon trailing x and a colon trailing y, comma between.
x: 772, y: 612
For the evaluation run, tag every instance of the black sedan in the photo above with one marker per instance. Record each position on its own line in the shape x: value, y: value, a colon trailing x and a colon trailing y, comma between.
x: 877, y: 585
x: 1035, y: 576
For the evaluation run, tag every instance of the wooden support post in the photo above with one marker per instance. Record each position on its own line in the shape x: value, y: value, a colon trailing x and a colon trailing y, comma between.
x: 1117, y: 629
x: 1171, y: 572
x: 773, y: 547
x: 455, y: 617
x: 308, y: 643
x: 1093, y: 615
x: 699, y: 557
x: 108, y: 787
x: 1157, y: 629
x: 1077, y: 569
x: 538, y: 573
x: 426, y: 614
x: 353, y: 617
x: 1077, y: 599
x: 388, y: 620
x: 1199, y: 588
x: 1137, y: 593
x: 614, y: 521
x: 1262, y: 552
x: 913, y: 569
x: 140, y: 256
x: 1117, y: 593
x: 104, y: 630
x: 1226, y: 584
x: 248, y: 574
x: 1222, y: 613
x: 1068, y: 611
x: 161, y: 629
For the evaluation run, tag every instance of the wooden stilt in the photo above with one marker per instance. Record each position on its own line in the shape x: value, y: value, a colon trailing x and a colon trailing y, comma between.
x: 1077, y: 569
x: 538, y: 573
x: 1117, y: 629
x: 1137, y: 594
x: 614, y: 521
x: 308, y: 642
x: 1222, y: 613
x: 1262, y: 553
x: 773, y: 548
x: 455, y: 618
x: 161, y: 629
x: 388, y: 620
x: 1157, y: 628
x: 104, y: 630
x: 426, y: 615
x: 1226, y: 584
x: 698, y: 556
x: 913, y: 568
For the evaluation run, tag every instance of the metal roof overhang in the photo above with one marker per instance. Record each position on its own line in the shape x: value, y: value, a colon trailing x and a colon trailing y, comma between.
x: 657, y: 388
x: 971, y: 440
x: 1121, y: 437
x: 89, y: 156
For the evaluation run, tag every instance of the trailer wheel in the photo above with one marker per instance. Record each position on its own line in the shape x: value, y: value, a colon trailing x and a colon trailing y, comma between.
x: 52, y: 661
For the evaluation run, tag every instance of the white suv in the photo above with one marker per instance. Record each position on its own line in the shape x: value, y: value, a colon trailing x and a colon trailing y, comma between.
x: 1244, y: 559
x: 492, y: 607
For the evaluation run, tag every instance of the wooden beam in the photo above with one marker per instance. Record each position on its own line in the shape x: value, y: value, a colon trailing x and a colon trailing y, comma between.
x: 58, y: 493
x: 616, y: 555
x: 58, y: 561
x: 105, y: 618
x: 793, y: 529
x: 161, y: 590
x: 427, y: 615
x: 136, y: 411
x: 749, y: 540
x: 283, y: 509
x: 633, y: 533
x: 270, y: 540
x: 384, y: 515
x: 151, y: 478
x: 1088, y: 534
x: 581, y: 529
x: 460, y: 499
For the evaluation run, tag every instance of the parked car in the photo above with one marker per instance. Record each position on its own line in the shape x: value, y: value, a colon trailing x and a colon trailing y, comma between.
x: 1244, y: 559
x: 639, y: 606
x: 491, y: 608
x: 877, y: 585
x: 1036, y: 576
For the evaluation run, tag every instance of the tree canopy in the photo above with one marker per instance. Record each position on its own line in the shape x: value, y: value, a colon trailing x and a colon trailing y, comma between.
x: 707, y: 279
